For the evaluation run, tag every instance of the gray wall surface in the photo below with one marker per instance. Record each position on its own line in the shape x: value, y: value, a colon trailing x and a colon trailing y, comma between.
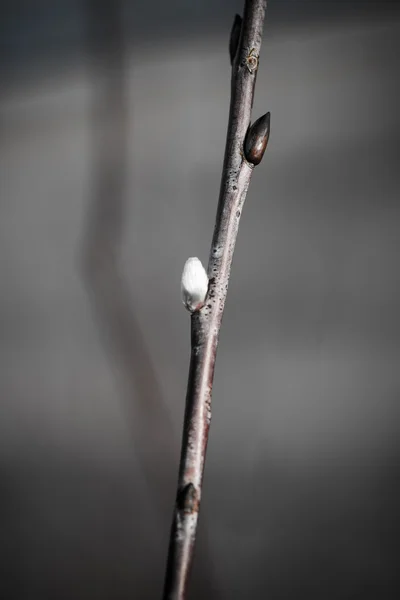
x: 301, y: 488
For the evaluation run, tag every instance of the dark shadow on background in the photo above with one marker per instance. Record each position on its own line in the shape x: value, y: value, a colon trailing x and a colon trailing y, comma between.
x: 113, y: 304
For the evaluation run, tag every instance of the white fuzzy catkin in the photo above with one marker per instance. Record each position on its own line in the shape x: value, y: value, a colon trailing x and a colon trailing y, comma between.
x: 194, y: 284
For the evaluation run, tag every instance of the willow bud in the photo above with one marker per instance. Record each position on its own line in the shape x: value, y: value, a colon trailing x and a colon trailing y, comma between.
x: 256, y: 139
x: 194, y: 284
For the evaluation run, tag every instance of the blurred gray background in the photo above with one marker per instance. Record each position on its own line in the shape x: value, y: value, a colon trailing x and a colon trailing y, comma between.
x: 113, y: 118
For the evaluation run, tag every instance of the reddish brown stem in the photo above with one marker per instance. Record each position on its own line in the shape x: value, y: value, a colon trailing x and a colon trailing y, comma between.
x: 206, y: 323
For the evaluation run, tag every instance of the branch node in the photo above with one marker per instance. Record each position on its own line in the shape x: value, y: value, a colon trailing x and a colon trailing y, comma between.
x: 251, y: 61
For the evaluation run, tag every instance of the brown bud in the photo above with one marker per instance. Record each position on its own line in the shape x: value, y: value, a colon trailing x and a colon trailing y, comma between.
x: 187, y: 501
x: 256, y: 139
x: 235, y: 36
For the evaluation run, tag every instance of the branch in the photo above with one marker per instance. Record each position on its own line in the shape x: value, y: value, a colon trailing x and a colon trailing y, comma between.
x: 245, y: 147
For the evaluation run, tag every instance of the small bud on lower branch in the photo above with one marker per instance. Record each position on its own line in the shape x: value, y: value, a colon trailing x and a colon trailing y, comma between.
x: 187, y: 500
x: 256, y: 139
x: 235, y: 36
x: 194, y: 284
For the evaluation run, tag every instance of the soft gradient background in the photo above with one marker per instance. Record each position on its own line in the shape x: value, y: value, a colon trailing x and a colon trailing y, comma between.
x: 115, y: 127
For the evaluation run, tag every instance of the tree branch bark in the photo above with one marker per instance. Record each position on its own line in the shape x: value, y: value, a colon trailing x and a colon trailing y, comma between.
x: 244, y: 149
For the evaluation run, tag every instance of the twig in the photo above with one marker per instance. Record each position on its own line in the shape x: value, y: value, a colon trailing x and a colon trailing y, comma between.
x: 244, y: 148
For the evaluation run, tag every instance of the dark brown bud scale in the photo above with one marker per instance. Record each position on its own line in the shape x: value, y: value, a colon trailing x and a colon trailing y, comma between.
x: 256, y: 139
x: 187, y: 499
x: 235, y: 36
